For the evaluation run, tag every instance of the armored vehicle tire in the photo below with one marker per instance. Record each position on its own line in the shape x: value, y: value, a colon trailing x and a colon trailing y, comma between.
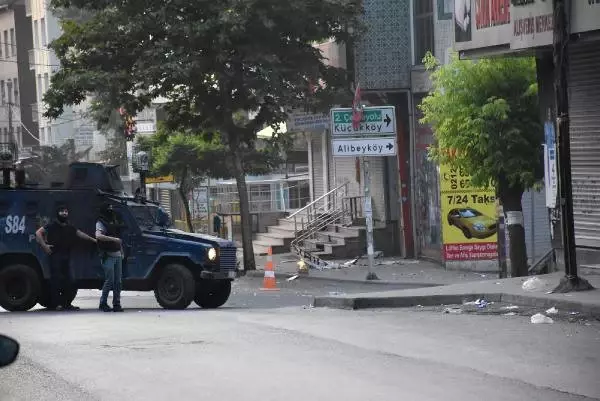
x: 44, y: 299
x: 211, y: 294
x: 19, y: 287
x: 175, y: 287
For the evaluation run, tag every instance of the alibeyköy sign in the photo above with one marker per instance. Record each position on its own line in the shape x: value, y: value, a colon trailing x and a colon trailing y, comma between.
x: 364, y: 147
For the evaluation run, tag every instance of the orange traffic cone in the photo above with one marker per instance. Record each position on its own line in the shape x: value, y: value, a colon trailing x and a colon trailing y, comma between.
x: 269, y: 283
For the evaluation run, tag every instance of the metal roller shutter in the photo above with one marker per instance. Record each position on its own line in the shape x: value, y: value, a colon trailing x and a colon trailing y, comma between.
x: 317, y: 160
x: 537, y: 224
x: 345, y: 170
x: 165, y: 200
x: 584, y: 106
x: 377, y: 172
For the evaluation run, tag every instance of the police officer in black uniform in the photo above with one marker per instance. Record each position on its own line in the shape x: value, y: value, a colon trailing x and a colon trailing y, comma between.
x: 57, y: 239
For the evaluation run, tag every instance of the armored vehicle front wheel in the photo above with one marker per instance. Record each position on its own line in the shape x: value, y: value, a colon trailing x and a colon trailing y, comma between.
x: 19, y: 287
x: 211, y: 294
x: 175, y: 287
x: 44, y: 299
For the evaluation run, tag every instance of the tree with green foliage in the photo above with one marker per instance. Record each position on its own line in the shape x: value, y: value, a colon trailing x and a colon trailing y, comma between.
x: 185, y: 157
x: 211, y: 59
x: 50, y: 164
x: 486, y: 120
x: 189, y: 157
x: 110, y: 124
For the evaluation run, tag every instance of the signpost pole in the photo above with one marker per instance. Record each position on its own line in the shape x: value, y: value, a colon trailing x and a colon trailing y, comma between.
x: 359, y: 132
x: 501, y: 238
x: 369, y: 219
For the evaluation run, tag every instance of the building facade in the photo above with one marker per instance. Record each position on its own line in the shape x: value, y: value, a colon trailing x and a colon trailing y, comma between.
x: 72, y: 124
x: 380, y: 64
x: 434, y: 31
x: 17, y: 91
x: 527, y: 29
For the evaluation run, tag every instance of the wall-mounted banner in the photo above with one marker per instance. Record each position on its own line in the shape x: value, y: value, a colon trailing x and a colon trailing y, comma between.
x: 532, y: 22
x: 516, y: 24
x: 307, y: 122
x: 158, y: 180
x: 481, y: 23
x: 586, y: 16
x: 469, y: 218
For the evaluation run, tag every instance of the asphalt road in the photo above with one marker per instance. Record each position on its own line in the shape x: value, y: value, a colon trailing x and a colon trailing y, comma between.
x: 273, y: 346
x: 246, y: 294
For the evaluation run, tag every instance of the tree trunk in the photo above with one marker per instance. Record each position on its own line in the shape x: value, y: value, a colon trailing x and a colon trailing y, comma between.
x: 186, y: 204
x: 511, y: 196
x: 240, y: 177
x: 186, y: 210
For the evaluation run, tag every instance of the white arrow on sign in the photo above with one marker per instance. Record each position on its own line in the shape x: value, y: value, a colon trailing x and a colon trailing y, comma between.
x: 364, y: 147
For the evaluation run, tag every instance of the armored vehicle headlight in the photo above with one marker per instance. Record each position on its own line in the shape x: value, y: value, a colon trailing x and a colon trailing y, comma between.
x: 212, y: 254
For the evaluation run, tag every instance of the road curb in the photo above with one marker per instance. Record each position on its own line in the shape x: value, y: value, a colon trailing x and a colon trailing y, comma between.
x: 285, y: 276
x: 366, y: 302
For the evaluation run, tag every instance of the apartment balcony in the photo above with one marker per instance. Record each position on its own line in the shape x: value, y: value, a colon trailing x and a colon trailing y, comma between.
x: 34, y: 59
x: 35, y: 112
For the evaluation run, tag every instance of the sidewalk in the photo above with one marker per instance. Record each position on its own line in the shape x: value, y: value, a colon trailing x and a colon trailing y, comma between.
x: 394, y: 270
x: 493, y: 290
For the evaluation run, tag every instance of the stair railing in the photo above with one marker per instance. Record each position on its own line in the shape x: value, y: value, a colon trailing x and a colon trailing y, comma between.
x: 334, y: 208
x: 332, y: 200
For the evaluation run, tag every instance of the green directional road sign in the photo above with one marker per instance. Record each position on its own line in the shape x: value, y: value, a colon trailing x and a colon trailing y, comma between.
x: 377, y: 121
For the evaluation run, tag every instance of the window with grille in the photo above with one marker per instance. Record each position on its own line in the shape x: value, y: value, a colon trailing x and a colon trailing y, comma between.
x: 43, y: 32
x: 36, y: 35
x: 16, y: 90
x: 6, y: 45
x: 423, y: 29
x: 13, y: 42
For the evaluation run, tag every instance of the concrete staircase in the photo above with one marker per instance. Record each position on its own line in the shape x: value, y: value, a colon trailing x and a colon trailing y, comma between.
x: 335, y: 242
x: 338, y: 242
x: 330, y: 227
x: 278, y: 238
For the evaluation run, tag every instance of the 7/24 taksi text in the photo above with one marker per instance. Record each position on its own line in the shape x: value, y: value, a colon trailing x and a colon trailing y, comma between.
x: 474, y: 198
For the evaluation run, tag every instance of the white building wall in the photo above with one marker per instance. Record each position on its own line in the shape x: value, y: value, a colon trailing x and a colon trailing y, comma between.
x: 443, y: 31
x: 71, y: 124
x: 9, y: 73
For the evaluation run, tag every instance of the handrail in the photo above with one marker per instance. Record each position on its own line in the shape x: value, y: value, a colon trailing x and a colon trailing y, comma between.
x: 317, y: 218
x: 543, y: 261
x: 318, y: 199
x: 316, y: 226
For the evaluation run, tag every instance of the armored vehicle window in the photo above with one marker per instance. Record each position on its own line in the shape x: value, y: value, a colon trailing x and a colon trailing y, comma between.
x: 80, y: 175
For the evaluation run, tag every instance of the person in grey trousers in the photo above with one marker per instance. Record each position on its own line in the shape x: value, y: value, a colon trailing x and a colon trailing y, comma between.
x: 111, y: 254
